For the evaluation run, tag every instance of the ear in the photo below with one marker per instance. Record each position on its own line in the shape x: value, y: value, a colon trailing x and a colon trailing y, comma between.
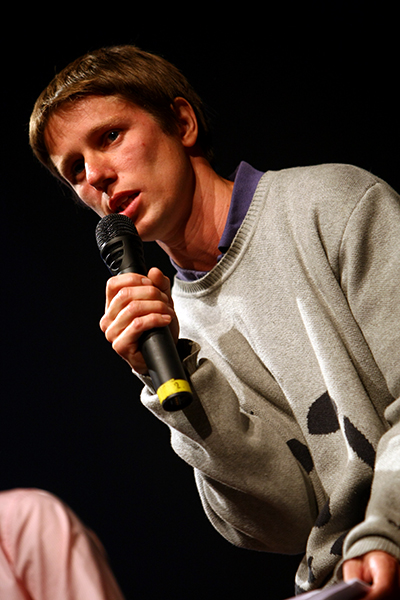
x: 187, y: 122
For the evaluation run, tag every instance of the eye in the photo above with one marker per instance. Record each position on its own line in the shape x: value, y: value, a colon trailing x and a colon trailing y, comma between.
x: 78, y: 167
x: 111, y: 136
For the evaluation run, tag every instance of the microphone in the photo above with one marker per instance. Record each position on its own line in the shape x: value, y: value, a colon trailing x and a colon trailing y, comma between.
x: 122, y: 251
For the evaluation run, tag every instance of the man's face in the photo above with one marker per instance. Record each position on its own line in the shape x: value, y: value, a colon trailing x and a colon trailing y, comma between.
x: 118, y: 159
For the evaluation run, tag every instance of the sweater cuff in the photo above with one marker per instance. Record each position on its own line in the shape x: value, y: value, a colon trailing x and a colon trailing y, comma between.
x: 371, y: 543
x: 365, y: 545
x: 187, y: 351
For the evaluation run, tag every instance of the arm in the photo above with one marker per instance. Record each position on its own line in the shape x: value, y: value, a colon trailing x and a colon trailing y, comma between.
x: 250, y: 484
x: 251, y: 487
x: 370, y: 276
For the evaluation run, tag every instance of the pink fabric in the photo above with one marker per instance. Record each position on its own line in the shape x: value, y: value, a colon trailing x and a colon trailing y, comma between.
x: 46, y: 553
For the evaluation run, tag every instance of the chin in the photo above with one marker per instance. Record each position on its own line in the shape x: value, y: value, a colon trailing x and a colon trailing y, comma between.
x: 145, y: 234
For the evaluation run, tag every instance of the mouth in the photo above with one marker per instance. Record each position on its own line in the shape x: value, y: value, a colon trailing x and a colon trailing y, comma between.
x: 121, y: 202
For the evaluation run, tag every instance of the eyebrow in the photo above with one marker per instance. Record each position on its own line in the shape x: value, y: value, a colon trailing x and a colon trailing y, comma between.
x: 92, y: 133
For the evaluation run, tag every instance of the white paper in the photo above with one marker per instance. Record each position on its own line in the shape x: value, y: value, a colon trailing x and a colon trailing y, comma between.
x: 350, y: 590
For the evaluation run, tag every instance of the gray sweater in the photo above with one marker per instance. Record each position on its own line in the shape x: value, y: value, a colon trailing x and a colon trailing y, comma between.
x: 294, y: 434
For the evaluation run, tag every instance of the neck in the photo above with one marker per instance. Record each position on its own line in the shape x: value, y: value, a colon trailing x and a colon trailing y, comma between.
x: 197, y: 246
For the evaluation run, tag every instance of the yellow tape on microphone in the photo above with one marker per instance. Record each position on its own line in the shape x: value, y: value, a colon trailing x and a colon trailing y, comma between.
x: 173, y: 386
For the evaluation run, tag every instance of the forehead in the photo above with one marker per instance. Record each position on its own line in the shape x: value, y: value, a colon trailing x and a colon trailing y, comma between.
x: 74, y: 124
x: 86, y: 113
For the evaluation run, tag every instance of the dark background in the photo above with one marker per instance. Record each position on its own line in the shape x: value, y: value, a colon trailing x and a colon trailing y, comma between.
x: 286, y: 89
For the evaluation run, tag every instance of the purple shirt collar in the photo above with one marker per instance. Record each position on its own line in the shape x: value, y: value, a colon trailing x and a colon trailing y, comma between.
x: 245, y: 179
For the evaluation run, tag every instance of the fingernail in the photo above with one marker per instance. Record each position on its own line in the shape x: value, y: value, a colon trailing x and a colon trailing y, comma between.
x: 146, y: 281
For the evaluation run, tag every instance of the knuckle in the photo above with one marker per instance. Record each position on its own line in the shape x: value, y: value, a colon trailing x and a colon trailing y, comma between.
x: 117, y: 347
x: 124, y: 293
x: 154, y: 321
x: 153, y: 293
x: 133, y: 308
x: 159, y: 307
x: 112, y: 284
x: 108, y: 335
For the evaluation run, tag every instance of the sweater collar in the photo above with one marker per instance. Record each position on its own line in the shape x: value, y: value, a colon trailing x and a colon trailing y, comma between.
x: 246, y: 179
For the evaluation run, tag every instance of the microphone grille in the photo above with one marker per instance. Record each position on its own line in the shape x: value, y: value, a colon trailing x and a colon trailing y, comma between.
x: 112, y: 226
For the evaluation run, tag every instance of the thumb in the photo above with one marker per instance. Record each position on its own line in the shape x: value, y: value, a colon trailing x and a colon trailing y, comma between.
x: 160, y: 280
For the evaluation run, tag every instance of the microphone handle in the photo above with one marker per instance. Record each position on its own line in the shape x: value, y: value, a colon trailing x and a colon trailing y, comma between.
x: 165, y: 368
x: 124, y: 254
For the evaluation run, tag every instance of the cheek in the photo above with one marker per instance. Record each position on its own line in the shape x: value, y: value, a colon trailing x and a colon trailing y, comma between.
x: 135, y: 160
x: 98, y: 210
x: 161, y: 150
x: 89, y: 197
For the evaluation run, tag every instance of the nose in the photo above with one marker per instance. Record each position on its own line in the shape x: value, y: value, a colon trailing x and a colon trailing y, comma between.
x: 99, y: 173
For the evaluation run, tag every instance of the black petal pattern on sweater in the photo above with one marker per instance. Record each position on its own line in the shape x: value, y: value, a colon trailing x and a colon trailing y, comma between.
x: 302, y: 454
x: 359, y: 443
x: 322, y: 417
x: 324, y: 515
x: 337, y: 547
x: 311, y: 576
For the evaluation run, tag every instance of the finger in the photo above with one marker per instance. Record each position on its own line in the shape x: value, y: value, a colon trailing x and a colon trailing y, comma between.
x: 384, y: 571
x: 353, y: 569
x: 118, y: 282
x: 164, y: 284
x: 126, y: 344
x: 145, y: 298
x: 127, y: 295
x: 146, y: 315
x: 160, y: 280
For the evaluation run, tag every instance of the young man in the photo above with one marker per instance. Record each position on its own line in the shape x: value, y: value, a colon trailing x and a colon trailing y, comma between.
x: 286, y: 294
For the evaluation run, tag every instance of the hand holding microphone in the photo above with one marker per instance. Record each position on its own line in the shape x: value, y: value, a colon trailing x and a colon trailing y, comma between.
x: 122, y: 251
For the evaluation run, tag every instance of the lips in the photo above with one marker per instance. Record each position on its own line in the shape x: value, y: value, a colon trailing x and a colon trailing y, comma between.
x: 120, y: 202
x: 124, y: 204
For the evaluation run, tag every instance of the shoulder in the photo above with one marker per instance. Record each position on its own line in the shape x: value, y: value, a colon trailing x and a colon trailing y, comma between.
x: 325, y: 193
x: 314, y: 205
x: 325, y: 181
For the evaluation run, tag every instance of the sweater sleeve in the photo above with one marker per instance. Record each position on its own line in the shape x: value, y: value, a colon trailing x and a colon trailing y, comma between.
x: 251, y: 487
x: 370, y: 267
